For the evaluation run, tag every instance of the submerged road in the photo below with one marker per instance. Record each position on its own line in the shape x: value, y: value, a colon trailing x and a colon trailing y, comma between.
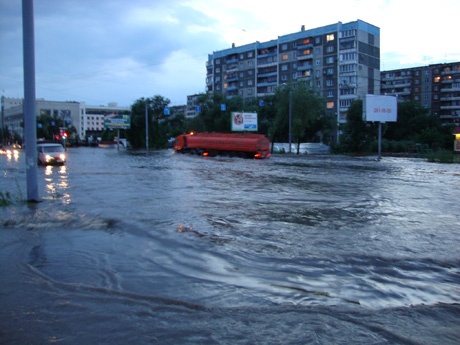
x: 178, y: 249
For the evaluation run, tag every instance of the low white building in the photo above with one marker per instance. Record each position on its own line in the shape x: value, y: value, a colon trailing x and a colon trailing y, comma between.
x: 87, y: 119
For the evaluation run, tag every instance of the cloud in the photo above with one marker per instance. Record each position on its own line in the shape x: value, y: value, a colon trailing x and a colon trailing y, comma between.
x: 102, y: 51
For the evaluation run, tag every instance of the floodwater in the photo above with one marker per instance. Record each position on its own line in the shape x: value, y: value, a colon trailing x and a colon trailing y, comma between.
x: 175, y: 249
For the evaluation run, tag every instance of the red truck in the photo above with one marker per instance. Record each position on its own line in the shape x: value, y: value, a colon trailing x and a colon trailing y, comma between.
x: 231, y: 144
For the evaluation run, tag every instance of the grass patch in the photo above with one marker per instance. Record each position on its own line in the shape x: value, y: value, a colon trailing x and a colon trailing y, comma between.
x: 443, y: 157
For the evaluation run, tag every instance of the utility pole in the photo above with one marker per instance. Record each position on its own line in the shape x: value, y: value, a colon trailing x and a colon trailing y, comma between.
x: 30, y: 130
x: 146, y: 127
x: 290, y: 118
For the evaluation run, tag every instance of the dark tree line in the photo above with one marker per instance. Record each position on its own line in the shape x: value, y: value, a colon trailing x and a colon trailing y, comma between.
x: 414, y: 126
x: 310, y: 122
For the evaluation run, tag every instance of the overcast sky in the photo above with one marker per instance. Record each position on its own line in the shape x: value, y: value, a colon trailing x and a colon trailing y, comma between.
x: 118, y: 51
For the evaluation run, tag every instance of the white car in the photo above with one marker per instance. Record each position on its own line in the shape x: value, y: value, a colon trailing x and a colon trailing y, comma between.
x: 51, y: 154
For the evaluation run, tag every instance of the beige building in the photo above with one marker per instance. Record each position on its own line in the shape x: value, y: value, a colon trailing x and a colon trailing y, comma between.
x: 84, y: 118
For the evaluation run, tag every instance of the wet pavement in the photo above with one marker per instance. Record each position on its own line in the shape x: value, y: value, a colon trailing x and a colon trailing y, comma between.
x: 178, y: 249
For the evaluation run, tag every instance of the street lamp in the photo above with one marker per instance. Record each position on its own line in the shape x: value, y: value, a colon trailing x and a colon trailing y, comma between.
x: 290, y: 115
x: 146, y: 127
x: 290, y: 119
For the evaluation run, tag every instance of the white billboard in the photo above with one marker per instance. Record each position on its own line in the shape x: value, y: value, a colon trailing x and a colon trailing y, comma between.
x: 380, y: 108
x: 244, y: 121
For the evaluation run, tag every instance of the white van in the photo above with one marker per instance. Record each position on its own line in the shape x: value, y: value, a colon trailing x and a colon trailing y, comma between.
x: 51, y: 154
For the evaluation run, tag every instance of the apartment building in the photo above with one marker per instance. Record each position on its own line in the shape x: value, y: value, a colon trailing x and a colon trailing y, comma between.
x: 192, y: 103
x: 436, y: 87
x: 341, y: 62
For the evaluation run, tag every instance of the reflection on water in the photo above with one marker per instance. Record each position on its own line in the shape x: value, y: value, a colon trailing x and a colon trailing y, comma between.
x: 56, y: 185
x: 308, y: 249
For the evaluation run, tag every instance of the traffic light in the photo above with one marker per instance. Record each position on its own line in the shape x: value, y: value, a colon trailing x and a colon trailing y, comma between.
x: 64, y: 135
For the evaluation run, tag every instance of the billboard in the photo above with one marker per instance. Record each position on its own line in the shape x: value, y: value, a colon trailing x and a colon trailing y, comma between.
x: 119, y: 121
x: 380, y: 108
x: 244, y: 121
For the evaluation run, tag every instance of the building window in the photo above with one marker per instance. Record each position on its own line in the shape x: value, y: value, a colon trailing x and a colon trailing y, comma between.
x: 249, y: 82
x: 330, y: 49
x: 329, y: 82
x: 318, y: 40
x: 250, y: 63
x: 284, y: 77
x: 330, y: 94
x: 218, y: 70
x: 284, y: 67
x: 437, y: 79
x: 285, y: 57
x: 318, y: 62
x: 284, y: 47
x: 330, y: 60
x: 217, y: 61
x: 250, y: 55
x: 330, y: 105
x: 241, y: 56
x: 330, y: 37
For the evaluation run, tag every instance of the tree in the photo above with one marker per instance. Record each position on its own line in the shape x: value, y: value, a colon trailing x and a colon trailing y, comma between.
x: 155, y: 112
x: 307, y: 112
x: 358, y: 135
x: 412, y: 119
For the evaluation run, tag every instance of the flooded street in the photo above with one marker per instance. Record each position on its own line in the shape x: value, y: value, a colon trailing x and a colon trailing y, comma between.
x: 179, y: 249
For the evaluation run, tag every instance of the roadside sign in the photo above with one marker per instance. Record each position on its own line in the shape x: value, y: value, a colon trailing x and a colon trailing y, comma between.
x: 244, y: 121
x: 120, y: 121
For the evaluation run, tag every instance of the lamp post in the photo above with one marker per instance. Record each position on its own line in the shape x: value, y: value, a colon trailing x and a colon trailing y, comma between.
x: 290, y: 116
x: 290, y: 119
x: 30, y: 131
x: 146, y: 127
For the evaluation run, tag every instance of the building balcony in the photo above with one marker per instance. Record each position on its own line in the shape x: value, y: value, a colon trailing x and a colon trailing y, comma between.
x: 264, y: 75
x: 267, y: 55
x: 267, y: 64
x: 232, y: 60
x: 229, y: 80
x: 447, y: 81
x: 305, y: 67
x: 449, y: 116
x: 266, y: 83
x: 450, y: 98
x: 451, y: 89
x: 263, y: 94
x: 450, y: 107
x: 305, y: 46
x: 305, y: 57
x: 344, y: 97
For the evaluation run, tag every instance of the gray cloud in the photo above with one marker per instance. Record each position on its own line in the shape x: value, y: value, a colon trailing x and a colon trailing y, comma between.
x: 82, y: 46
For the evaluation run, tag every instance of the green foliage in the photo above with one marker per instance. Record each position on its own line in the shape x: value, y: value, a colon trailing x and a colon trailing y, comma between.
x: 307, y: 111
x: 48, y: 126
x: 155, y: 112
x: 358, y: 135
x: 415, y: 124
x: 443, y: 157
x: 5, y: 199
